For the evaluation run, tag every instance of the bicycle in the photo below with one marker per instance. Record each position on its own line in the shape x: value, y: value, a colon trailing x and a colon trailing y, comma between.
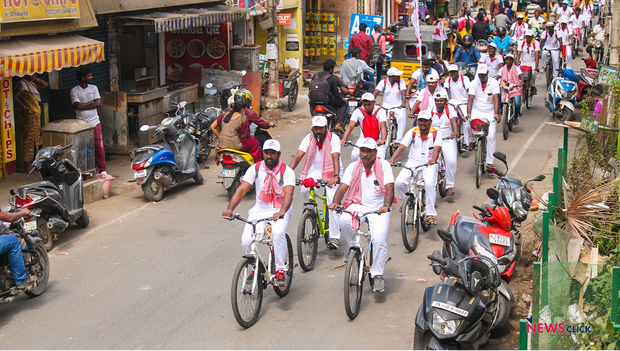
x: 508, y: 108
x: 461, y: 118
x: 441, y: 174
x: 413, y: 214
x: 392, y: 130
x: 549, y: 74
x: 252, y: 276
x: 314, y: 224
x: 526, y: 94
x: 480, y: 130
x: 358, y: 266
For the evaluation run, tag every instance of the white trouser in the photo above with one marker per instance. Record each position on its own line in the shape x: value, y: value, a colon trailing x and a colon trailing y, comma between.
x: 278, y: 233
x: 555, y: 58
x: 401, y: 119
x: 379, y: 225
x: 450, y: 153
x: 334, y: 217
x: 569, y: 57
x: 430, y: 179
x: 467, y: 137
x: 355, y: 153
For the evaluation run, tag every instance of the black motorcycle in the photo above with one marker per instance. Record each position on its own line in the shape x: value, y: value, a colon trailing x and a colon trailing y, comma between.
x: 461, y: 311
x: 35, y: 259
x: 58, y: 200
x: 199, y: 126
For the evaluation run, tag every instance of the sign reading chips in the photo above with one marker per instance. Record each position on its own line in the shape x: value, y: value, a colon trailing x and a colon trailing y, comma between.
x: 35, y: 10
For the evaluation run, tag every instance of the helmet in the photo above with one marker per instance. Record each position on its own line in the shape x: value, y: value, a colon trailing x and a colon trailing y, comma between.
x: 486, y: 19
x: 454, y: 24
x: 431, y: 55
x: 502, y: 29
x: 244, y: 97
x: 468, y: 39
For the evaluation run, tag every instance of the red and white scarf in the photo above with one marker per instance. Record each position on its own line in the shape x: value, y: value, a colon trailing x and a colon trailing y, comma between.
x: 272, y: 191
x: 354, y: 195
x: 327, y: 164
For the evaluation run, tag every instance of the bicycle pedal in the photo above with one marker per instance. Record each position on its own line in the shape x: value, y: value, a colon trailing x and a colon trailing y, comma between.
x: 388, y: 260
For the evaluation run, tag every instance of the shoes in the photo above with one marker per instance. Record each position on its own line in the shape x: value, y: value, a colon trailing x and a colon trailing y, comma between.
x: 333, y: 244
x: 491, y: 169
x: 28, y: 283
x: 515, y: 122
x: 280, y: 278
x: 534, y: 91
x: 378, y: 283
x: 472, y: 146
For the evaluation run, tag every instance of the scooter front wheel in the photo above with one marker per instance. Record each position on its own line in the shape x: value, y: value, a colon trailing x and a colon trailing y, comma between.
x: 153, y: 189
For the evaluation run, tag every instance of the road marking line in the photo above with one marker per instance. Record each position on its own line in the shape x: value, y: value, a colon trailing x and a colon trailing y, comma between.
x: 525, y: 146
x: 117, y: 219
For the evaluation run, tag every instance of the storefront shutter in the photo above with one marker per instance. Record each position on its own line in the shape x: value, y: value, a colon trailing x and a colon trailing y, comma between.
x: 101, y: 70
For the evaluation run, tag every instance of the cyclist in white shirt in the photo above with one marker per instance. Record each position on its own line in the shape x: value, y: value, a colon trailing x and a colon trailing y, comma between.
x: 445, y: 119
x: 564, y: 11
x: 393, y: 88
x: 323, y: 162
x: 424, y: 142
x: 426, y: 100
x: 375, y: 128
x: 517, y: 30
x: 458, y: 87
x: 527, y: 56
x: 565, y: 35
x: 493, y: 60
x: 418, y: 77
x: 274, y: 185
x: 484, y: 104
x: 551, y: 44
x: 577, y: 24
x: 586, y: 11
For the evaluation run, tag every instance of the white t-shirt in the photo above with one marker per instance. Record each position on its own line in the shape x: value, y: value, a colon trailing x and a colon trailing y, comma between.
x: 443, y: 122
x: 372, y: 196
x: 483, y: 100
x: 576, y: 22
x: 586, y: 11
x: 358, y: 116
x: 81, y: 95
x: 551, y: 41
x: 420, y: 151
x: 317, y: 162
x: 493, y: 64
x: 528, y: 52
x: 565, y: 13
x: 251, y: 178
x: 564, y: 35
x: 458, y: 89
x: 520, y: 30
x: 391, y: 92
x: 431, y: 98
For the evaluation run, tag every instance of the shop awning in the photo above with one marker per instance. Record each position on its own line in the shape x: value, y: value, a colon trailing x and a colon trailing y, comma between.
x: 45, y: 54
x: 188, y: 18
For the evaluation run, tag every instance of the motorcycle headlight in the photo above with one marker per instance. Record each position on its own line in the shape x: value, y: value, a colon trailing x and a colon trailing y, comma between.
x: 511, y: 256
x: 444, y: 327
x: 518, y: 211
x: 598, y: 44
x: 501, y: 268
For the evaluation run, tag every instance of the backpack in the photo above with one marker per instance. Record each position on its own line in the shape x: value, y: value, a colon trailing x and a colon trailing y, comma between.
x: 377, y: 53
x: 282, y: 169
x: 370, y: 126
x: 319, y: 89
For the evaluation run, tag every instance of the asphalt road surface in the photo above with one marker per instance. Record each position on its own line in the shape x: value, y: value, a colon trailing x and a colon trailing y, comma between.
x: 158, y: 276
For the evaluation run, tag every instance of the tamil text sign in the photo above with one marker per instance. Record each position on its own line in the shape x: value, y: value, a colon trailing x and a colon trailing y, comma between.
x: 35, y: 10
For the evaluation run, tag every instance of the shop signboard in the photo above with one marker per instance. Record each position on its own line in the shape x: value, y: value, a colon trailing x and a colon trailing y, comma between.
x: 292, y: 42
x: 370, y: 21
x: 198, y: 48
x: 8, y: 122
x: 34, y: 10
x: 284, y: 19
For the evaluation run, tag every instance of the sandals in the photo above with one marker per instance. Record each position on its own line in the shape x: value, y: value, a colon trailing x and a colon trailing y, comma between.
x: 431, y: 220
x: 450, y: 191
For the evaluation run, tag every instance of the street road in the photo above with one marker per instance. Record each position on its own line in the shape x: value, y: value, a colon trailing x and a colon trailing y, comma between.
x: 158, y: 276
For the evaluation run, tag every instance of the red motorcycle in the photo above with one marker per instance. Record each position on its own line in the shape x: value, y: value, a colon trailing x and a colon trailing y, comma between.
x: 488, y: 234
x: 587, y: 81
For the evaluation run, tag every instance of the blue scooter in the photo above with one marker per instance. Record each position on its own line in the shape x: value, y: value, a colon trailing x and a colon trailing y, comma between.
x: 160, y: 166
x: 561, y: 96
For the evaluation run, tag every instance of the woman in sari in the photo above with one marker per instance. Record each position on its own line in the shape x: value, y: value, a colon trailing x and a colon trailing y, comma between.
x: 27, y: 97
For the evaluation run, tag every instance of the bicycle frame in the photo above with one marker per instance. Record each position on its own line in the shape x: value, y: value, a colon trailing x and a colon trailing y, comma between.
x: 255, y: 252
x: 320, y: 217
x: 364, y: 253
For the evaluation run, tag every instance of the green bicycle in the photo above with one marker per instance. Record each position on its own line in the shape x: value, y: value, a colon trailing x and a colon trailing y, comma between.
x: 313, y: 225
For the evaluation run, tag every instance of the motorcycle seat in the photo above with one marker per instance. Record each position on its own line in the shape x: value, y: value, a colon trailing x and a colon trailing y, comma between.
x: 153, y: 147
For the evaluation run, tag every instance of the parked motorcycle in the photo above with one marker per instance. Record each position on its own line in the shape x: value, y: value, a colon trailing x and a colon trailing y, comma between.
x: 58, y: 200
x: 587, y: 82
x: 199, y: 126
x: 160, y: 166
x: 229, y: 89
x: 34, y: 254
x: 463, y: 309
x: 561, y: 98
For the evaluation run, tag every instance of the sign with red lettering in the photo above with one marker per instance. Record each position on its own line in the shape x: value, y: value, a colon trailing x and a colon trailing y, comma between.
x: 8, y: 123
x: 284, y: 19
x: 29, y: 10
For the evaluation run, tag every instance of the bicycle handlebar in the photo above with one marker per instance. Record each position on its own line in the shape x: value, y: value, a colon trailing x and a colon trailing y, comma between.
x: 320, y: 183
x: 341, y: 209
x: 400, y: 164
x: 348, y: 143
x: 238, y: 217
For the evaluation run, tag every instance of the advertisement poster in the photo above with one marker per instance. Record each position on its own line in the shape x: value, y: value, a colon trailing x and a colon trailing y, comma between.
x: 195, y: 48
x: 8, y: 130
x: 370, y: 21
x: 28, y: 10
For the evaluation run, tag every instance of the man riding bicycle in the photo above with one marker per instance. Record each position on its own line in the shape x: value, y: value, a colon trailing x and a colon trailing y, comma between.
x: 527, y: 57
x: 566, y: 40
x: 551, y: 45
x: 323, y: 162
x: 393, y: 89
x: 419, y: 76
x: 517, y: 30
x: 370, y: 185
x: 445, y: 119
x: 275, y: 183
x: 457, y: 86
x: 373, y: 124
x: 511, y: 76
x: 424, y: 142
x: 426, y: 100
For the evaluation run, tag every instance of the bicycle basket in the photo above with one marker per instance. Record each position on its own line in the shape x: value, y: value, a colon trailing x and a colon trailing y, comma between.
x: 479, y: 127
x: 527, y: 72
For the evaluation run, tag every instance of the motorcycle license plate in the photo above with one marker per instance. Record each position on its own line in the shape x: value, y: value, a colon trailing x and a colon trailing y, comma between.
x: 450, y: 308
x: 30, y: 226
x: 228, y: 173
x: 499, y: 240
x: 139, y: 174
x: 352, y: 103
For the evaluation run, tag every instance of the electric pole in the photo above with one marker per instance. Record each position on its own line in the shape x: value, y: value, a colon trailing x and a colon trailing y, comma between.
x: 274, y: 105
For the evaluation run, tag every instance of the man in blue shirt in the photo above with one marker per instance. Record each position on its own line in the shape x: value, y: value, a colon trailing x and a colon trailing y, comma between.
x: 467, y: 53
x: 502, y: 40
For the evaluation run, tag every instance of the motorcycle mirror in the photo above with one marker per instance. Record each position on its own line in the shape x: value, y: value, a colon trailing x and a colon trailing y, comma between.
x: 493, y: 193
x: 182, y: 104
x: 444, y: 235
x: 243, y: 73
x: 209, y: 86
x: 22, y: 193
x: 144, y: 128
x: 539, y: 178
x: 500, y: 156
x: 435, y: 265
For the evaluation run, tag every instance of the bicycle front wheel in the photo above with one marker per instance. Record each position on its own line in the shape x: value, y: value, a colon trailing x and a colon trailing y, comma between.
x: 352, y: 288
x: 391, y: 139
x: 410, y: 224
x: 549, y: 72
x: 506, y: 121
x: 246, y: 299
x: 426, y: 226
x: 307, y: 240
x: 290, y: 264
x: 479, y: 163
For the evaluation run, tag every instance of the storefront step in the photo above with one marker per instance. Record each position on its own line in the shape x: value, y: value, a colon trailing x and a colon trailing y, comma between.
x: 92, y: 191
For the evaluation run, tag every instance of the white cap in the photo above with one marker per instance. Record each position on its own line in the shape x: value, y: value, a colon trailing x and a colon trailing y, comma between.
x: 550, y: 24
x: 529, y: 33
x: 493, y: 45
x: 368, y: 143
x: 394, y: 72
x: 520, y: 16
x: 441, y: 94
x: 271, y: 144
x: 368, y: 97
x: 482, y: 69
x: 319, y: 121
x: 453, y: 68
x: 509, y: 55
x: 426, y: 114
x: 565, y: 2
x: 432, y: 77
